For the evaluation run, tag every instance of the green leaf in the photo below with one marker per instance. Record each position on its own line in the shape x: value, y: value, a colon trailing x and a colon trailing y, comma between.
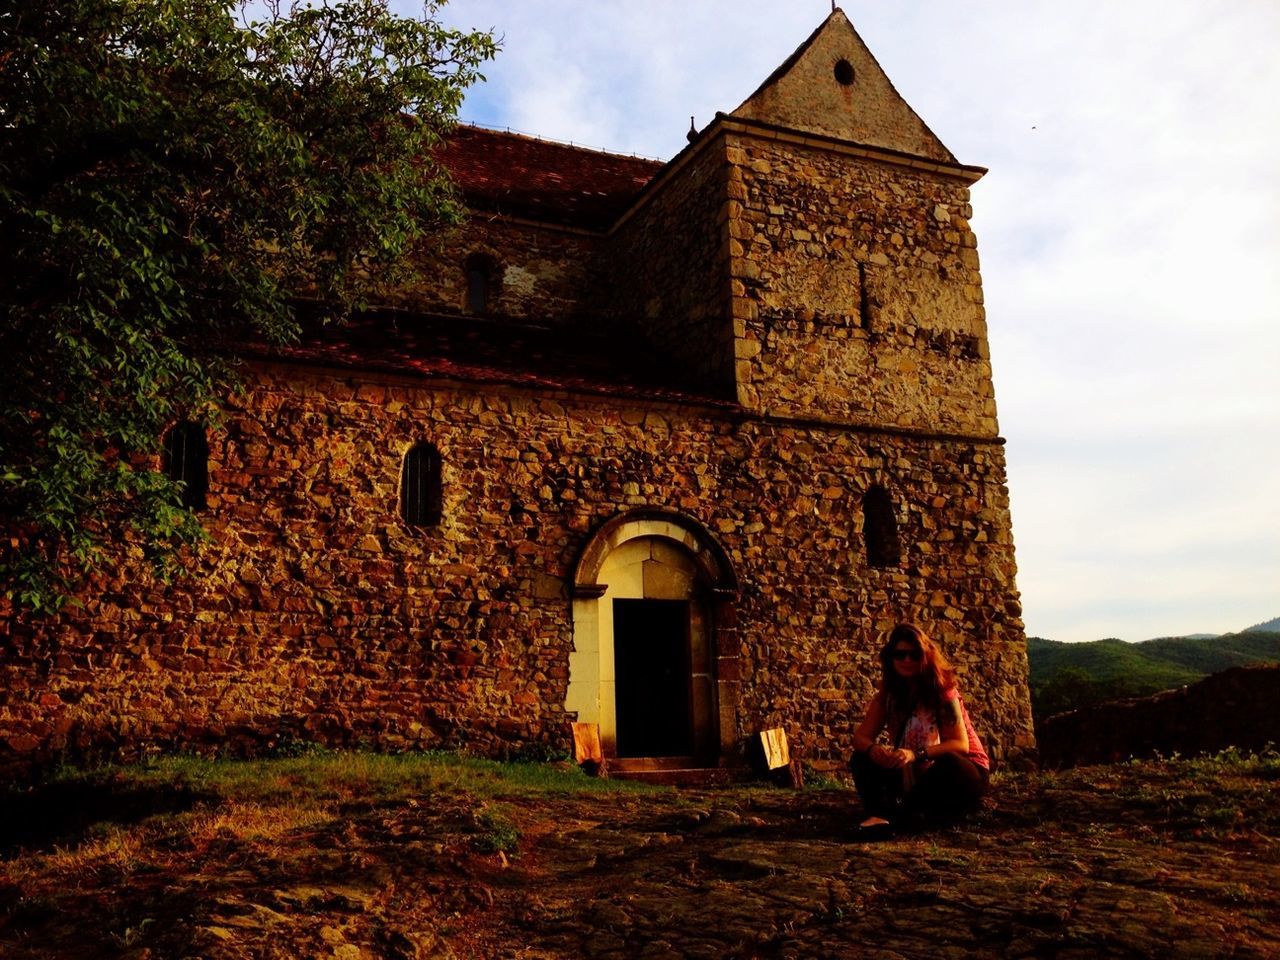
x: 171, y: 179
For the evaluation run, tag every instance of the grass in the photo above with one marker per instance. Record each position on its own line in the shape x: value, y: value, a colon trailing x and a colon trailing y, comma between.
x: 1264, y: 764
x: 85, y: 816
x: 90, y: 810
x: 326, y: 776
x: 1224, y: 796
x: 106, y: 818
x: 115, y: 821
x: 498, y: 834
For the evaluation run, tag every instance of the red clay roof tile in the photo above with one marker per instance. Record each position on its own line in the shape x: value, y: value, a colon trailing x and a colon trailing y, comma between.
x: 542, y: 180
x: 610, y: 360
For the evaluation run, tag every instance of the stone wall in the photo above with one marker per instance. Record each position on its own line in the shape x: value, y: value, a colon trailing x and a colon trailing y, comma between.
x: 546, y: 275
x: 808, y: 226
x: 315, y: 613
x: 1234, y: 708
x: 668, y: 269
x: 865, y: 108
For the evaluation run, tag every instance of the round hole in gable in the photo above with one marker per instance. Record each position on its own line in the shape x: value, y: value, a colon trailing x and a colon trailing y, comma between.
x: 844, y: 73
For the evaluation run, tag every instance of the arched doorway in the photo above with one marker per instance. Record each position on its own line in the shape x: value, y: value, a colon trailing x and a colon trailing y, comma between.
x: 655, y: 659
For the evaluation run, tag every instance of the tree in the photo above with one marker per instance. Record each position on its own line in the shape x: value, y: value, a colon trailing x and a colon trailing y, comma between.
x: 1068, y: 688
x: 173, y: 178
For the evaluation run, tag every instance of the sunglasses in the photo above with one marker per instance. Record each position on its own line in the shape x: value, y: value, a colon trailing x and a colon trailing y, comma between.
x: 904, y: 654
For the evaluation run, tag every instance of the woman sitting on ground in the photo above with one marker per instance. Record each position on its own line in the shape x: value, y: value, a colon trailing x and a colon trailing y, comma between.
x: 933, y: 770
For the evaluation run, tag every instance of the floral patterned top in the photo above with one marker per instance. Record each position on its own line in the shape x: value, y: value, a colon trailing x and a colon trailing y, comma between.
x: 921, y: 730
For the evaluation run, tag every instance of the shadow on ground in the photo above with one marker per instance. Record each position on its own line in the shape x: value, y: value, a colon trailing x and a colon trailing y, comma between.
x: 65, y: 813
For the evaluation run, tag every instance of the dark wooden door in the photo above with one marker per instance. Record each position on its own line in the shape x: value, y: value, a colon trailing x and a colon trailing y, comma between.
x: 652, y: 676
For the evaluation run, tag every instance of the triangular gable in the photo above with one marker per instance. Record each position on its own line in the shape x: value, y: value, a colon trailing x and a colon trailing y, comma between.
x: 815, y: 91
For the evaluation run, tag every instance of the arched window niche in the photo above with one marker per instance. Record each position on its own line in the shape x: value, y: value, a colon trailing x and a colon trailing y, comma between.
x: 655, y: 659
x: 421, y: 489
x: 186, y: 461
x: 482, y: 284
x: 880, y: 528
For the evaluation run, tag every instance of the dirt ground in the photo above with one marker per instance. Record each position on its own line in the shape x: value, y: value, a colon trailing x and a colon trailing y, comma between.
x: 1160, y: 859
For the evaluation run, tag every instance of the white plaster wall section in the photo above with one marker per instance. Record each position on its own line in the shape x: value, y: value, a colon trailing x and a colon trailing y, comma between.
x: 523, y: 280
x: 583, y: 695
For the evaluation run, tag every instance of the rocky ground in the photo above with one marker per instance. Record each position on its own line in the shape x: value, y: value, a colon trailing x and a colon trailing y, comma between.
x: 1159, y: 859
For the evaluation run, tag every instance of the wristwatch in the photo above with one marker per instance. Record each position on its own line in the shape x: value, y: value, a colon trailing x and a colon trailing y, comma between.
x: 921, y: 756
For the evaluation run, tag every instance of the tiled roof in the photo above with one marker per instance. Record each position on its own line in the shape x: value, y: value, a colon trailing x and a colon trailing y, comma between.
x: 610, y: 360
x: 552, y: 182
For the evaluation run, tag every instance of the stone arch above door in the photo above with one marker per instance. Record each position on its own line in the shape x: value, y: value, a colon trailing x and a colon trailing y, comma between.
x: 650, y: 522
x: 657, y: 555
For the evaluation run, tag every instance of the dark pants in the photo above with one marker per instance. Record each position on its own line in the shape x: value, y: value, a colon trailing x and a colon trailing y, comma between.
x: 950, y: 788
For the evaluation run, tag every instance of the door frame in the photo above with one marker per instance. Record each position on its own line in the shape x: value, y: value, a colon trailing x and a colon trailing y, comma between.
x: 714, y: 587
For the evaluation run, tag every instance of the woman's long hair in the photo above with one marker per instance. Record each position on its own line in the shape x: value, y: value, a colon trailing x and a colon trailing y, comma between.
x: 935, y: 677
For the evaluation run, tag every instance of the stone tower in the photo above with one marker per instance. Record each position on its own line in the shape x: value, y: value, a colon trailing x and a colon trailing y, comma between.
x: 848, y: 310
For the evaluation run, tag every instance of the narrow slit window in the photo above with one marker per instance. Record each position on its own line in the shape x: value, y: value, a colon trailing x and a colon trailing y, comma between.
x: 880, y: 529
x: 864, y: 301
x: 477, y: 290
x: 420, y: 487
x: 481, y: 289
x: 186, y: 461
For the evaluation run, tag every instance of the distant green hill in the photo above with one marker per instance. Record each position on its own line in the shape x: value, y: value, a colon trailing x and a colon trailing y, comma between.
x: 1270, y: 626
x: 1068, y: 676
x: 1105, y: 660
x: 1219, y: 653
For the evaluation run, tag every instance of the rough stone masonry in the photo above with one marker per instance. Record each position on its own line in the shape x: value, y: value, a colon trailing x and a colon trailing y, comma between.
x: 766, y: 357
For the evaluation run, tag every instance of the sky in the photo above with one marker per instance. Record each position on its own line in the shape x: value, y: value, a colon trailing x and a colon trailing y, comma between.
x: 1129, y: 231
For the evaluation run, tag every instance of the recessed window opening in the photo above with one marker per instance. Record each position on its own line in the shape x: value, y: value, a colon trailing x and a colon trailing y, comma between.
x: 880, y: 529
x: 844, y: 72
x: 477, y: 290
x: 186, y: 461
x: 480, y: 285
x: 420, y: 487
x: 864, y: 302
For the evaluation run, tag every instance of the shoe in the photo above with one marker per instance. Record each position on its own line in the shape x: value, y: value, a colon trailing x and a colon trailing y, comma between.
x: 873, y: 833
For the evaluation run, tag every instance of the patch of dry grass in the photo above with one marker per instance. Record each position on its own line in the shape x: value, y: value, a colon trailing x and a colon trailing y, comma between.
x: 263, y: 806
x: 120, y: 851
x: 160, y: 842
x: 256, y: 822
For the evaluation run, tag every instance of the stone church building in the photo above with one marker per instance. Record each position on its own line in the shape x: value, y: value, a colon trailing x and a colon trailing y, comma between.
x: 664, y: 447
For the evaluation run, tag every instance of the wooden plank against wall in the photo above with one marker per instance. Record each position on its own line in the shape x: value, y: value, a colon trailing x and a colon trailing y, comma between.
x: 776, y: 751
x: 586, y: 743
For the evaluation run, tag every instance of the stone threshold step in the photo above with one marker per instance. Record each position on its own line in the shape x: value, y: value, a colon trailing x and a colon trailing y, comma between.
x: 686, y: 777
